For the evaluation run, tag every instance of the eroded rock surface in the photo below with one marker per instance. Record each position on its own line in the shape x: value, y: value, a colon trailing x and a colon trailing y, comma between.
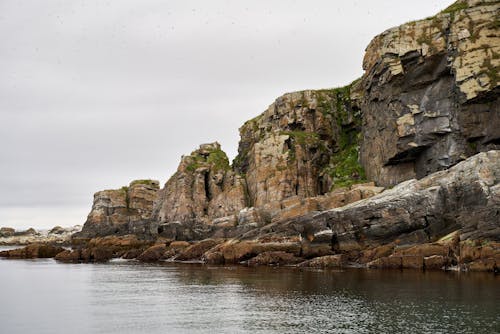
x: 429, y: 96
x: 287, y: 150
x: 122, y: 211
x: 203, y: 189
x: 466, y: 198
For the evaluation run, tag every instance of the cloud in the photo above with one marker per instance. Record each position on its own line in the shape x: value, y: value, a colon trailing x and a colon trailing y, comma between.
x: 96, y: 93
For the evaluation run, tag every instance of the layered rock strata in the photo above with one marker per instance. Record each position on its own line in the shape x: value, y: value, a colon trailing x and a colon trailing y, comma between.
x: 425, y: 107
x: 122, y: 211
x: 429, y: 95
x: 203, y: 189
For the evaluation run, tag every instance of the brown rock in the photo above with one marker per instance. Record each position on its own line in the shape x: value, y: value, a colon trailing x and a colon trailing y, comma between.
x: 97, y: 254
x: 121, y: 211
x: 234, y: 252
x: 214, y: 255
x: 436, y: 262
x: 274, y: 259
x: 69, y: 256
x: 483, y: 265
x: 153, y: 253
x: 204, y: 188
x: 33, y: 251
x: 425, y: 250
x: 285, y: 151
x: 412, y: 262
x: 133, y: 253
x: 310, y: 250
x: 329, y: 261
x: 391, y: 262
x: 196, y: 250
x: 371, y: 254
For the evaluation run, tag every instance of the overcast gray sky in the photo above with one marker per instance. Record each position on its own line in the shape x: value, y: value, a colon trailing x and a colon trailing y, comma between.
x: 94, y: 94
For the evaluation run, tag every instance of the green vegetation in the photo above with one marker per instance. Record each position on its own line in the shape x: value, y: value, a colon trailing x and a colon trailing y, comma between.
x: 344, y: 167
x: 302, y: 137
x: 124, y: 189
x: 145, y: 181
x: 216, y: 159
x: 494, y: 25
x: 452, y: 9
x: 491, y: 72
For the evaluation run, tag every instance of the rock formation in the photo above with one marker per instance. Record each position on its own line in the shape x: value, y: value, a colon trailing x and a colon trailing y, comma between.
x: 292, y: 149
x: 429, y: 95
x: 465, y: 197
x: 121, y: 211
x: 308, y: 181
x: 203, y: 189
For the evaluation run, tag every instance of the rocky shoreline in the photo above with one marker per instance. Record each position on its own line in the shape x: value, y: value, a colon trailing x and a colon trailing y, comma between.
x: 57, y: 236
x: 399, y: 169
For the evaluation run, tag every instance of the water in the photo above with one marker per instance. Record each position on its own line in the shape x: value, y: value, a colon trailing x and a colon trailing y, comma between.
x: 42, y: 296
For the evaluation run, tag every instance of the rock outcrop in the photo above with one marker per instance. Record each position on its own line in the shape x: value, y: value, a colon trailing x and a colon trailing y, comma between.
x: 302, y: 145
x: 308, y: 182
x: 122, y: 211
x: 465, y: 197
x: 429, y: 96
x: 33, y: 251
x: 203, y: 189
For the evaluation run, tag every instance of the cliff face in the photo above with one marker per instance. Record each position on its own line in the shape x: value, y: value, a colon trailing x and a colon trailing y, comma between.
x: 204, y: 188
x: 429, y: 95
x: 121, y: 211
x: 293, y: 148
x: 428, y: 100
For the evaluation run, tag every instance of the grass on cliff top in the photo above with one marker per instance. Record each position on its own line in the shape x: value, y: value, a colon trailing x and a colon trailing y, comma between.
x: 459, y: 5
x: 216, y: 159
x: 144, y: 181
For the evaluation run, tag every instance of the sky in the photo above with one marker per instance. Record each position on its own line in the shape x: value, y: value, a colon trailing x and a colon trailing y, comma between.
x: 94, y: 94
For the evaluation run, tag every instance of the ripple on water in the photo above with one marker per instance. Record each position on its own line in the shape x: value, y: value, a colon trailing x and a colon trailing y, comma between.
x: 127, y: 297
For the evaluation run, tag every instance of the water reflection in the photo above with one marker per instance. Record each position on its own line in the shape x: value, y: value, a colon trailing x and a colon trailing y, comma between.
x: 128, y: 297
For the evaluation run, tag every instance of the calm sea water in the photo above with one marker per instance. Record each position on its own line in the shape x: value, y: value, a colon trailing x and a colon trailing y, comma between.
x: 42, y: 296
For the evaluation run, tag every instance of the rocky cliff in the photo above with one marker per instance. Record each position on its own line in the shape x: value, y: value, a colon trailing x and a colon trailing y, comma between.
x: 309, y: 177
x: 292, y: 149
x: 429, y: 95
x: 121, y: 211
x: 203, y: 189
